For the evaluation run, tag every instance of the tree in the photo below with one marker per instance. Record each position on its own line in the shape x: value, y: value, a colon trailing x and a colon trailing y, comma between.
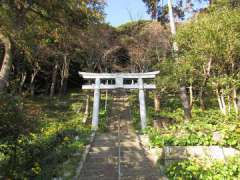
x: 183, y: 92
x: 25, y: 20
x: 148, y: 43
x: 159, y: 9
x: 210, y: 43
x: 152, y: 6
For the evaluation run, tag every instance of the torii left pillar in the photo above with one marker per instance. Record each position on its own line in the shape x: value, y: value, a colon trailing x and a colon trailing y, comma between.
x: 96, y: 103
x: 143, y: 113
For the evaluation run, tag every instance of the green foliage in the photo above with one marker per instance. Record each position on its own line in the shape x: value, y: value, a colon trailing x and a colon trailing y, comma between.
x: 198, y: 131
x: 104, y: 113
x: 168, y: 73
x: 218, y: 4
x: 176, y: 132
x: 132, y: 27
x: 42, y: 32
x: 159, y: 9
x: 193, y: 169
x: 103, y: 125
x: 211, y: 37
x: 13, y: 119
x: 42, y: 153
x: 135, y: 114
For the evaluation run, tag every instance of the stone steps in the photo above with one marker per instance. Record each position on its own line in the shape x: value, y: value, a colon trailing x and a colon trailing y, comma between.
x: 139, y: 177
x: 102, y: 162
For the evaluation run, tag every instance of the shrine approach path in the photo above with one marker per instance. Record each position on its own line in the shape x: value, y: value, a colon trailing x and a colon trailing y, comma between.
x: 118, y: 154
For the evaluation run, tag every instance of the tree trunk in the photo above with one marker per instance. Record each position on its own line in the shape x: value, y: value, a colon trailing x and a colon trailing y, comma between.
x: 224, y: 108
x: 185, y: 103
x: 54, y: 80
x: 210, y: 2
x: 235, y: 100
x: 86, y: 113
x: 229, y: 104
x: 207, y: 71
x: 171, y: 18
x: 191, y: 96
x: 64, y: 75
x: 23, y: 79
x: 172, y: 24
x: 106, y: 100
x: 238, y: 103
x: 219, y: 100
x: 158, y: 54
x: 157, y: 104
x: 32, y: 85
x: 201, y: 99
x: 6, y: 63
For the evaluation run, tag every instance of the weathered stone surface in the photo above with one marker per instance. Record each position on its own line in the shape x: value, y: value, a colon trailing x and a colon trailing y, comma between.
x: 197, y: 151
x: 177, y: 153
x: 216, y: 152
x: 217, y: 137
x: 230, y: 152
x: 170, y: 154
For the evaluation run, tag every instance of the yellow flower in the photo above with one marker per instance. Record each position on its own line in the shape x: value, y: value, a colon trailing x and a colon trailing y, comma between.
x: 66, y: 138
x: 36, y: 168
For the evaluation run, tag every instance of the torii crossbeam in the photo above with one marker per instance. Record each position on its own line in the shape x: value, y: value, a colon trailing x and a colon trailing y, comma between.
x: 120, y: 80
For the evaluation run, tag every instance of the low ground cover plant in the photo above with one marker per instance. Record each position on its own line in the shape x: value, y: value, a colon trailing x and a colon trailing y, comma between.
x: 41, y: 152
x: 207, y: 127
x: 201, y: 170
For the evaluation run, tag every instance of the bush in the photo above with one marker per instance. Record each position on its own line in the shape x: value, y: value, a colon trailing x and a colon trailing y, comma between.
x: 13, y: 119
x: 198, y: 131
x: 39, y: 153
x: 201, y: 170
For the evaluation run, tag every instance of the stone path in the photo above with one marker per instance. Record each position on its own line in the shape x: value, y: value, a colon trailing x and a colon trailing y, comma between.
x: 118, y: 155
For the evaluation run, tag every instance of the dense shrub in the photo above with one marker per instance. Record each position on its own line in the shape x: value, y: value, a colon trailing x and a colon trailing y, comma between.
x: 39, y: 153
x: 13, y: 120
x: 199, y: 131
x: 197, y: 170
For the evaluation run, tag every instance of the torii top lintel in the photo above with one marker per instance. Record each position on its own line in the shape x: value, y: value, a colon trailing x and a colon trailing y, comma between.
x: 148, y: 75
x: 119, y: 77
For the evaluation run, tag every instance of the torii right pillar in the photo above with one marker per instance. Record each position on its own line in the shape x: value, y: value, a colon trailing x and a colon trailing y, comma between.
x: 143, y: 114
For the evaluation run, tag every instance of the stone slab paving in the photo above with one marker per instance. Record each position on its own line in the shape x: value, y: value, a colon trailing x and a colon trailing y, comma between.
x: 106, y: 162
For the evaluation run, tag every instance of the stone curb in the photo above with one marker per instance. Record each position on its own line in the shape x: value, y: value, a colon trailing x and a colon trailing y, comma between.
x: 84, y: 156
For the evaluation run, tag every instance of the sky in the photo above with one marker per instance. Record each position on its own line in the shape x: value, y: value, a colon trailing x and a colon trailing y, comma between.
x: 122, y: 11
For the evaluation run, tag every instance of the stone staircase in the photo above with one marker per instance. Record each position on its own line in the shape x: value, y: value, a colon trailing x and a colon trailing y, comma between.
x: 109, y: 161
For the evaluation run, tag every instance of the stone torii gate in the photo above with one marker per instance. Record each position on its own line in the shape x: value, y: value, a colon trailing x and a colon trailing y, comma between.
x: 120, y: 81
